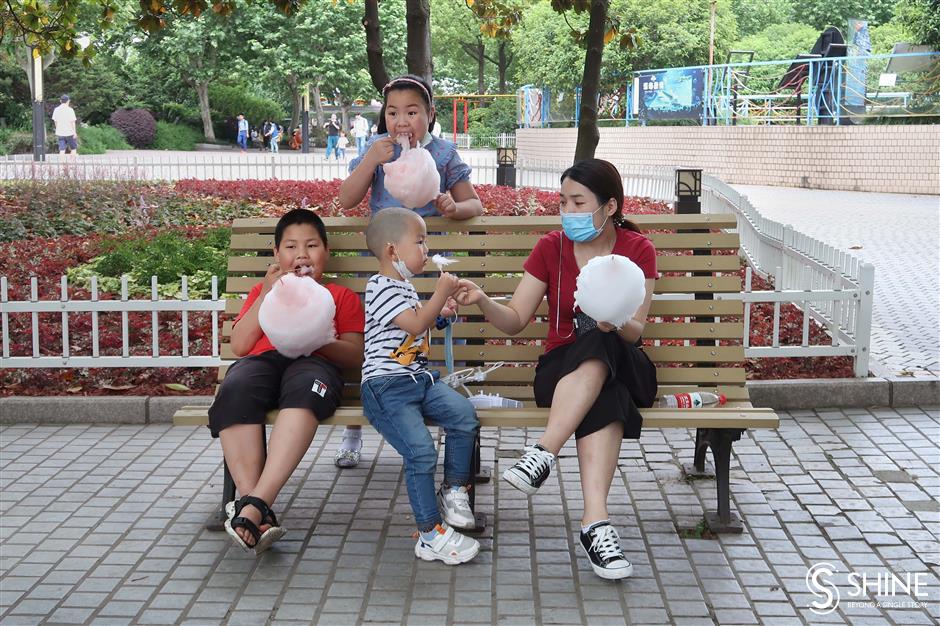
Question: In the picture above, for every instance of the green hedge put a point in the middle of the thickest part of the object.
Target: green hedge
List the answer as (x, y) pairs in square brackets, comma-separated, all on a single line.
[(168, 255), (227, 102), (99, 139), (175, 137), (15, 141)]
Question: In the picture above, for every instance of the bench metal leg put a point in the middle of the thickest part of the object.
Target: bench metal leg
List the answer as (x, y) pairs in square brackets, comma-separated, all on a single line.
[(228, 494), (475, 474), (481, 474), (699, 468), (720, 441)]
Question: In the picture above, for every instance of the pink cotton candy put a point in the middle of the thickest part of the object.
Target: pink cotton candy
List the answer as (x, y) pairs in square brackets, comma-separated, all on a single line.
[(297, 316), (412, 178)]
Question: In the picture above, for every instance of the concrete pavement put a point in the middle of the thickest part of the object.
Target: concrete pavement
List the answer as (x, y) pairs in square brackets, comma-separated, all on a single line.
[(898, 234), (103, 525)]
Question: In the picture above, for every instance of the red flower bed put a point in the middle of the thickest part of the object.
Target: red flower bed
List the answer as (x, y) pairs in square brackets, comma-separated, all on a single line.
[(275, 196)]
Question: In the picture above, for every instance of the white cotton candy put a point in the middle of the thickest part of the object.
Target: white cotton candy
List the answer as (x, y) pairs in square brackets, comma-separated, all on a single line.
[(441, 261), (297, 316), (610, 289), (412, 178)]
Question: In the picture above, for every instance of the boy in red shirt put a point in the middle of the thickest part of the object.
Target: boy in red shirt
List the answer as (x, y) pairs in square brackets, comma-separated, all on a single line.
[(306, 389)]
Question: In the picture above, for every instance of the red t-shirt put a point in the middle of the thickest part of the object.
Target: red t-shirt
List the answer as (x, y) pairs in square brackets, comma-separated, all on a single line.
[(349, 317), (543, 264)]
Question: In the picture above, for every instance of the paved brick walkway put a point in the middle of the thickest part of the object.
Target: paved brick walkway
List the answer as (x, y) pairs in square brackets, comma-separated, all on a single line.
[(898, 234), (103, 525)]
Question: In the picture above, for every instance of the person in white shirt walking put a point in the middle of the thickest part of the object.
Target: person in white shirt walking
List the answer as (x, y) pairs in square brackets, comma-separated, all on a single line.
[(64, 118), (360, 132)]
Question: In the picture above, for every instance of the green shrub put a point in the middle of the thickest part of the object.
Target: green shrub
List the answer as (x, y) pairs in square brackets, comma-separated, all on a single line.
[(15, 141), (496, 118), (227, 102), (98, 139), (168, 256), (175, 137)]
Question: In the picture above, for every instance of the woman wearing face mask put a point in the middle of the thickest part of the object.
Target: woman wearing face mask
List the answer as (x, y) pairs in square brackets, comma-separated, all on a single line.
[(595, 377)]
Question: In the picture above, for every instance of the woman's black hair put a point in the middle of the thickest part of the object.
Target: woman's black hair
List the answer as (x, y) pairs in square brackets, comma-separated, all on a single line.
[(603, 179), (412, 83), (299, 216)]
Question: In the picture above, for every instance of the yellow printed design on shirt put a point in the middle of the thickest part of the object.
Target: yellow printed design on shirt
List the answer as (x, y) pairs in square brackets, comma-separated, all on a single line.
[(409, 351)]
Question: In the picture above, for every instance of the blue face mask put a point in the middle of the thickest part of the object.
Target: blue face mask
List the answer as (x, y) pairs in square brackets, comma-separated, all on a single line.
[(580, 226)]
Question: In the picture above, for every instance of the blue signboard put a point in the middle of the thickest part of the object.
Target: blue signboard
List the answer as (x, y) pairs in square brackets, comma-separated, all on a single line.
[(673, 94)]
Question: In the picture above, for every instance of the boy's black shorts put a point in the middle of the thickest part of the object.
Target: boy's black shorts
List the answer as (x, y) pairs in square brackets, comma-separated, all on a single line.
[(259, 383)]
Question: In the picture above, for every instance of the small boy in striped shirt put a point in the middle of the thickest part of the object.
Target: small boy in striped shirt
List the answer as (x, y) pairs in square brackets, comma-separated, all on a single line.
[(399, 391)]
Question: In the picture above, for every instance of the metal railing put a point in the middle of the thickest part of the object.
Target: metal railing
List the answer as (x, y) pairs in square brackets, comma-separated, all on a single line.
[(66, 306), (205, 166)]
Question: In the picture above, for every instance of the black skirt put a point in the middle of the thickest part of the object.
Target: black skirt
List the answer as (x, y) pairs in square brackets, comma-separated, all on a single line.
[(630, 385)]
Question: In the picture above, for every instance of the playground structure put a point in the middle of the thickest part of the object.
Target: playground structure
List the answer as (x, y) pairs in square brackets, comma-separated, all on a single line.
[(467, 101)]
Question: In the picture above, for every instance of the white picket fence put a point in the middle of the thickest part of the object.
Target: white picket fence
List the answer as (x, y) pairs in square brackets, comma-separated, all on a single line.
[(66, 306), (827, 285)]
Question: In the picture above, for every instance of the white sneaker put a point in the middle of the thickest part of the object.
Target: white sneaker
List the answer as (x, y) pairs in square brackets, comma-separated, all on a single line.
[(455, 506), (448, 546)]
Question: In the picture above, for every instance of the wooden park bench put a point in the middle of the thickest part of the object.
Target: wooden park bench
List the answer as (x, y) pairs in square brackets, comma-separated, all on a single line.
[(699, 347)]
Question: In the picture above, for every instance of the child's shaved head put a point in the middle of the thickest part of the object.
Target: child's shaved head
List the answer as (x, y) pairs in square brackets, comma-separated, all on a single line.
[(390, 226)]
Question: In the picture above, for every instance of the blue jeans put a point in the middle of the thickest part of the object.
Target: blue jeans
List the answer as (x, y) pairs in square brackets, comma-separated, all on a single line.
[(396, 407), (361, 145), (331, 141), (242, 140)]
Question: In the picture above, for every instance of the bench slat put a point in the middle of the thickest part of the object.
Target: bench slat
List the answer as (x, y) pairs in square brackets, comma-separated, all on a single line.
[(719, 417), (506, 286), (531, 354), (499, 223), (707, 376), (258, 265), (660, 308), (539, 330), (458, 242), (351, 393)]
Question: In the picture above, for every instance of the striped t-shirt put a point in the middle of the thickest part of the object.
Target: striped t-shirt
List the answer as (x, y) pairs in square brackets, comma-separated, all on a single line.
[(385, 299)]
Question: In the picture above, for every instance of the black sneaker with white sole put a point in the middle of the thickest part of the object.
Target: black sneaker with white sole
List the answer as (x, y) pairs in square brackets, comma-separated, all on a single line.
[(529, 472), (601, 543)]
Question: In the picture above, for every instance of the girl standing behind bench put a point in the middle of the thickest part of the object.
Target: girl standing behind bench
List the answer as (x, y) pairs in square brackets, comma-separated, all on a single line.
[(407, 111), (306, 389), (594, 378)]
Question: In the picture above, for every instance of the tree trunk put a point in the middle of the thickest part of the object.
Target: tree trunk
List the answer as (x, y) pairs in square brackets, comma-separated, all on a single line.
[(370, 22), (296, 99), (503, 66), (588, 136), (344, 107), (418, 54), (481, 61), (317, 105), (202, 90)]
